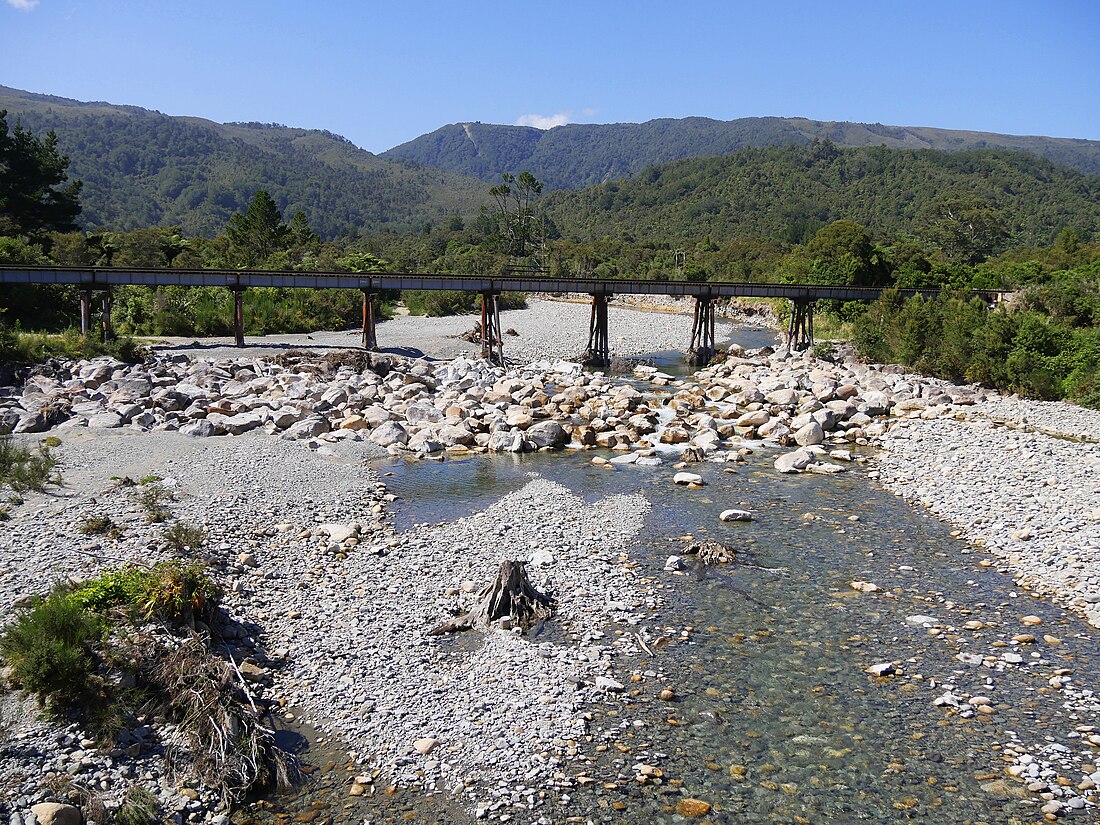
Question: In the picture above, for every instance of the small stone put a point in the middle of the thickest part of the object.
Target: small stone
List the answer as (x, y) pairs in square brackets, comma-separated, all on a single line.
[(687, 478), (1031, 621), (882, 669), (735, 515), (863, 587), (692, 807), (667, 695), (425, 745)]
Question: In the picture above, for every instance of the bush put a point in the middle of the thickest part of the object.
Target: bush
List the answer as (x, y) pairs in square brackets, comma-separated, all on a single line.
[(153, 498), (172, 591), (140, 807), (23, 468), (49, 649), (98, 526), (181, 536)]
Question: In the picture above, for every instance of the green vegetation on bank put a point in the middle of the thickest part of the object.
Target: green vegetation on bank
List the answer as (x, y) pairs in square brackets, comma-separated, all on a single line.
[(978, 219)]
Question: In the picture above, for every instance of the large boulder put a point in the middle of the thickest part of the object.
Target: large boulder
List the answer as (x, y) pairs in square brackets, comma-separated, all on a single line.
[(240, 423), (785, 397), (421, 412), (57, 813), (547, 434), (506, 441), (451, 434), (794, 462), (809, 434), (199, 429), (389, 433), (307, 428)]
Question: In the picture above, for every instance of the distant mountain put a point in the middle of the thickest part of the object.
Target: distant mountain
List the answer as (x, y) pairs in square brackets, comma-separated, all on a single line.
[(143, 168), (788, 192), (578, 155)]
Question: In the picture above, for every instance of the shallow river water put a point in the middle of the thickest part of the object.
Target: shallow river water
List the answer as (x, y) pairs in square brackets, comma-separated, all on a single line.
[(776, 717)]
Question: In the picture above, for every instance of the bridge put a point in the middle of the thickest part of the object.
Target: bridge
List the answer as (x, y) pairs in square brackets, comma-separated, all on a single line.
[(702, 342)]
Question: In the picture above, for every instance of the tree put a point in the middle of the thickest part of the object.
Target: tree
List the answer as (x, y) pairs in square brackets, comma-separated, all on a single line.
[(258, 233), (521, 231), (34, 197), (967, 228)]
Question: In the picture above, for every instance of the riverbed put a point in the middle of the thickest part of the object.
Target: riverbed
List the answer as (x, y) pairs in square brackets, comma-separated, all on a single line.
[(858, 660), (774, 715)]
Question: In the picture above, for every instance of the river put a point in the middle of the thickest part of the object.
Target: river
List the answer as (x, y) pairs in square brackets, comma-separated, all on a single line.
[(775, 717)]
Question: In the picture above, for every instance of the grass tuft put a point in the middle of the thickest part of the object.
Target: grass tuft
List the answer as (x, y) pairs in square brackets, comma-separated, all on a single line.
[(24, 468)]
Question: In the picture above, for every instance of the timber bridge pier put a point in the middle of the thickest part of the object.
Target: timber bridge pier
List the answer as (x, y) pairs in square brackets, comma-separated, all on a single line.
[(800, 330)]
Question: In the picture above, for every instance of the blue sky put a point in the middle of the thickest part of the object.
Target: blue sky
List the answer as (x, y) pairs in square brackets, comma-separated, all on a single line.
[(381, 74)]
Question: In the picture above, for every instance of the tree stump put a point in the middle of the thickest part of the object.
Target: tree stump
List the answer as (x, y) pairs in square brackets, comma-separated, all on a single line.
[(510, 595)]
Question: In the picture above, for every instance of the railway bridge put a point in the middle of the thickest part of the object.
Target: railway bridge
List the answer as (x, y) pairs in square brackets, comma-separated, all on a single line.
[(701, 346)]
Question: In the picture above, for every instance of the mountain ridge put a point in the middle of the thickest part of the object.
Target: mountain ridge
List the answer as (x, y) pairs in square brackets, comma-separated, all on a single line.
[(144, 168), (620, 150)]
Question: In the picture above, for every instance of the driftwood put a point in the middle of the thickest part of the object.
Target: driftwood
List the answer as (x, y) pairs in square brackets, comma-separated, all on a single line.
[(510, 595), (711, 552), (714, 552)]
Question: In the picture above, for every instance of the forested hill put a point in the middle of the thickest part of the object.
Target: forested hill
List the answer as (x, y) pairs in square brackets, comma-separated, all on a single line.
[(142, 168), (789, 192), (578, 155)]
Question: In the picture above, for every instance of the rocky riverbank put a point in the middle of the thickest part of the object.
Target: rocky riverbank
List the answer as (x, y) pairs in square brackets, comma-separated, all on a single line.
[(266, 454)]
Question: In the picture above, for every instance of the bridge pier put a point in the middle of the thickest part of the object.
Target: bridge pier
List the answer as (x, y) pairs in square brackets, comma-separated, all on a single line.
[(492, 345), (800, 331), (86, 311), (108, 329), (238, 314), (598, 353), (702, 347), (370, 337)]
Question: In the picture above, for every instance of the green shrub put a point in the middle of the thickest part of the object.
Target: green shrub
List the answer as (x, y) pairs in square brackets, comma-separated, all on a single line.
[(98, 526), (153, 498), (122, 587), (23, 468), (49, 649), (181, 536), (172, 591), (140, 807)]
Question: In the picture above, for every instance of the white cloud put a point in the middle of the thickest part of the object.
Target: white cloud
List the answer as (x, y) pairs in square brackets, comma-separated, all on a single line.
[(550, 121), (545, 121), (23, 5)]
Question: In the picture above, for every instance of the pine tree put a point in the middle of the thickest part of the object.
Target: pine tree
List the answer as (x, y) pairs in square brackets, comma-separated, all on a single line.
[(33, 196), (258, 233)]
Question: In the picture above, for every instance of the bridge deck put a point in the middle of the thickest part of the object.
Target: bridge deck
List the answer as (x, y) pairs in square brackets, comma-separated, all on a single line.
[(101, 278)]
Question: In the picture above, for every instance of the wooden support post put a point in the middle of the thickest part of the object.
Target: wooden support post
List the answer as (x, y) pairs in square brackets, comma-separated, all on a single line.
[(800, 331), (492, 345), (370, 337), (86, 311), (108, 329), (702, 347), (598, 353), (238, 315)]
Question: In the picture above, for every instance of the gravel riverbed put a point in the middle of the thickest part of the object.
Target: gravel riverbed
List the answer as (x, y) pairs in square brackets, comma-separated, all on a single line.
[(341, 603)]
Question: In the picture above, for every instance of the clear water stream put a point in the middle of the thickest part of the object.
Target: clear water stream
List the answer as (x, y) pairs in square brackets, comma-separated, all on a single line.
[(776, 718)]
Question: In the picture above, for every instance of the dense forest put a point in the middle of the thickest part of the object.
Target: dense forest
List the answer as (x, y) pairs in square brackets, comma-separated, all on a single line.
[(787, 193), (583, 154), (141, 168)]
